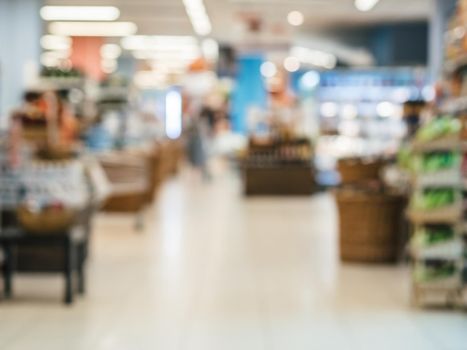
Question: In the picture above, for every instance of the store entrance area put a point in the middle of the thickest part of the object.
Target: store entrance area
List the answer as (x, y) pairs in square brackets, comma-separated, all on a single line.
[(213, 270)]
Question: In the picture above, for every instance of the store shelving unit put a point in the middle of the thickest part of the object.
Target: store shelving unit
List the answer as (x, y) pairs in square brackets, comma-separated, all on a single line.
[(280, 167), (445, 248), (436, 245)]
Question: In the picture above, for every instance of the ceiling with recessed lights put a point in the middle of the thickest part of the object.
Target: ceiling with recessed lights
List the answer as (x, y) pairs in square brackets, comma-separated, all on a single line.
[(276, 27), (236, 20)]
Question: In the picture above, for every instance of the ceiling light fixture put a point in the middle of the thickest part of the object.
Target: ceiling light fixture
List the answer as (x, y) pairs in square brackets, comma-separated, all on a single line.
[(106, 29), (210, 49), (292, 64), (158, 42), (386, 109), (199, 18), (111, 51), (329, 109), (365, 5), (149, 79), (310, 80), (109, 66), (315, 58), (53, 58), (173, 114), (295, 18), (55, 42), (79, 13), (268, 69)]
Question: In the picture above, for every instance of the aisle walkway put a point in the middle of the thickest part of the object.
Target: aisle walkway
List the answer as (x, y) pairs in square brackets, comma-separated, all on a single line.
[(217, 272)]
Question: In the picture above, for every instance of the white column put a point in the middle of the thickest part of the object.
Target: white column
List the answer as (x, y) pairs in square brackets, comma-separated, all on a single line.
[(20, 32)]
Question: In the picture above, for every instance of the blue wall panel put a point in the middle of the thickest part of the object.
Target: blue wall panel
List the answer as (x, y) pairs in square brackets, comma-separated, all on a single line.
[(249, 90)]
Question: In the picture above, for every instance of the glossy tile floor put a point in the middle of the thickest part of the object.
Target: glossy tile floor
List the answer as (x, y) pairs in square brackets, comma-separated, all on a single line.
[(214, 271)]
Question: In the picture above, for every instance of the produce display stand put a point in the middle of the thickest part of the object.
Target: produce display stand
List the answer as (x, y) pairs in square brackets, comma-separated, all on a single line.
[(279, 168), (47, 201), (371, 224), (62, 252), (130, 179), (134, 168), (444, 253), (279, 180), (440, 234), (135, 175)]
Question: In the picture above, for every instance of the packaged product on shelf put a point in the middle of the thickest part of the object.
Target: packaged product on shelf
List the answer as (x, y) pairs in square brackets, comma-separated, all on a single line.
[(437, 128), (436, 241), (433, 198), (433, 234), (438, 160), (437, 271)]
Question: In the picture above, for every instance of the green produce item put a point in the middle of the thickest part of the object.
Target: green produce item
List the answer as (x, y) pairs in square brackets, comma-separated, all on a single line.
[(431, 235), (405, 158), (433, 198), (436, 161), (432, 271), (439, 127)]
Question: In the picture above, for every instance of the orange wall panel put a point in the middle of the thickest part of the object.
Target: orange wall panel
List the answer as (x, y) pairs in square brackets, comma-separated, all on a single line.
[(86, 56)]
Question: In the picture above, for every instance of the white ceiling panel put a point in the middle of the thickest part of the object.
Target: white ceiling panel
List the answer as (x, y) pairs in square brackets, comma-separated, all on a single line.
[(230, 18)]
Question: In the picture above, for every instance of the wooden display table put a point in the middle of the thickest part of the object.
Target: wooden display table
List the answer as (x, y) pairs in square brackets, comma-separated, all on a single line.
[(279, 167), (64, 252), (279, 180)]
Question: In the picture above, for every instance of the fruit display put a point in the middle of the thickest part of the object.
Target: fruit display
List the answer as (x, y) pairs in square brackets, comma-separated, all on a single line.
[(45, 218), (439, 163), (46, 182), (435, 245), (438, 128), (436, 161), (435, 271), (280, 152), (433, 198), (430, 235)]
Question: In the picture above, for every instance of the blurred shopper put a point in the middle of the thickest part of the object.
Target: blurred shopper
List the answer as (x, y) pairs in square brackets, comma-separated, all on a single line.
[(197, 139)]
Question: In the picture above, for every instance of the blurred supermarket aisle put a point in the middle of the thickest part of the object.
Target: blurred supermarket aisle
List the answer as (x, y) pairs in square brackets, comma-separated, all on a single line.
[(217, 271)]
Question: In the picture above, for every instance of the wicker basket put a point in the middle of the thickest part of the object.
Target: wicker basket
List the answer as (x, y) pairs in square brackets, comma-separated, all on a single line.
[(47, 222), (370, 225), (155, 180), (126, 203), (35, 135), (355, 170), (128, 175), (56, 152)]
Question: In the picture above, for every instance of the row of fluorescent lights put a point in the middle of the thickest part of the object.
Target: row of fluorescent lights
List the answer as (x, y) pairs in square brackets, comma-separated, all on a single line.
[(365, 5), (104, 17), (296, 18), (87, 21), (169, 52), (299, 56), (198, 16), (67, 21)]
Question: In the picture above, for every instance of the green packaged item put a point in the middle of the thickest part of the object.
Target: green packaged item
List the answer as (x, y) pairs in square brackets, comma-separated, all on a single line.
[(430, 271), (436, 161), (439, 127), (432, 234), (433, 198)]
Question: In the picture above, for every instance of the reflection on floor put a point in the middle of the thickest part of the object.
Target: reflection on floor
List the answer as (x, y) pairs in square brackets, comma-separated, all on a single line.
[(214, 271)]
